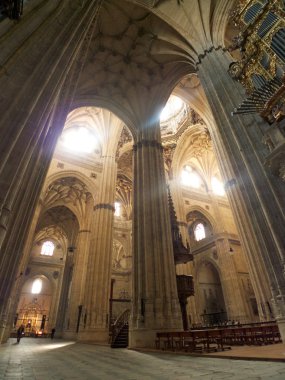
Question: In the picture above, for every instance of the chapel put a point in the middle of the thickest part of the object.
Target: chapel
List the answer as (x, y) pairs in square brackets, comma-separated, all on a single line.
[(142, 167)]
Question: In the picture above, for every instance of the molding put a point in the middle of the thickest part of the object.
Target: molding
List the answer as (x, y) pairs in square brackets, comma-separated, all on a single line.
[(182, 224), (207, 51), (211, 241), (105, 206), (85, 162)]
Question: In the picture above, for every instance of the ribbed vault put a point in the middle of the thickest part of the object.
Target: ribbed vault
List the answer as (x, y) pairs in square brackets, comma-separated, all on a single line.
[(134, 61)]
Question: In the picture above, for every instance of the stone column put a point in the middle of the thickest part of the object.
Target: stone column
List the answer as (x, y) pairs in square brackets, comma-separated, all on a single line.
[(62, 320), (256, 197), (76, 300), (98, 276), (155, 300)]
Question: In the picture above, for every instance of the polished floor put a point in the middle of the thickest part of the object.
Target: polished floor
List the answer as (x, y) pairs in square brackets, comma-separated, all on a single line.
[(45, 359)]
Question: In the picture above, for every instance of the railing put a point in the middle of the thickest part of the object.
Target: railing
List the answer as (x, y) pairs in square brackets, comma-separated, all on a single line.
[(118, 325)]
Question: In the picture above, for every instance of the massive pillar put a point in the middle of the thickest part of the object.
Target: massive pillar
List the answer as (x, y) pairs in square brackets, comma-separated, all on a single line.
[(257, 197), (155, 301), (95, 304), (75, 313), (98, 276), (32, 63)]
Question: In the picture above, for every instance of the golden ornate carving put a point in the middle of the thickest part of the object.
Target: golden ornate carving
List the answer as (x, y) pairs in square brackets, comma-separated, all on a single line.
[(260, 68)]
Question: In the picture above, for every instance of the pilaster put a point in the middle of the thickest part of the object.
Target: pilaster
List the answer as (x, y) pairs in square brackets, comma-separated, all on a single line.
[(98, 274)]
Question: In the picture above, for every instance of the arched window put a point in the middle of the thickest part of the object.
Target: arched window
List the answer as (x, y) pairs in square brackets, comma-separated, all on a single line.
[(190, 177), (172, 108), (79, 139), (117, 209), (199, 232), (217, 186), (37, 286), (47, 248)]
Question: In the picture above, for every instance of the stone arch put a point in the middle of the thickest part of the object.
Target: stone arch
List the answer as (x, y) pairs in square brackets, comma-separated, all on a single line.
[(202, 215), (69, 192), (55, 234), (186, 143), (63, 216), (211, 300), (91, 185), (33, 309), (190, 91), (110, 105)]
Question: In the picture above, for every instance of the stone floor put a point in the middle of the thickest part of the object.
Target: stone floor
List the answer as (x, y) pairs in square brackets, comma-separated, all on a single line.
[(44, 359), (272, 352)]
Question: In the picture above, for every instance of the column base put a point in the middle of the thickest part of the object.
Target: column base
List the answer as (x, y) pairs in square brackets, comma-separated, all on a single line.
[(281, 326), (5, 330), (144, 338), (4, 335)]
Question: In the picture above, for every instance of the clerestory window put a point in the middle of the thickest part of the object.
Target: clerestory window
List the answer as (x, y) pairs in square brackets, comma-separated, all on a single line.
[(190, 177), (47, 248), (199, 232), (217, 186)]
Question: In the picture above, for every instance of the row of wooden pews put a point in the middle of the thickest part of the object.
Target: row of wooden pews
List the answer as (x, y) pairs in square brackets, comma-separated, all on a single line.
[(218, 339)]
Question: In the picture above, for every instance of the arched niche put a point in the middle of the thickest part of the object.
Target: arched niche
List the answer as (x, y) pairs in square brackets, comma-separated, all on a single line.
[(68, 192), (212, 309), (34, 305), (60, 225), (54, 235), (196, 219), (91, 187)]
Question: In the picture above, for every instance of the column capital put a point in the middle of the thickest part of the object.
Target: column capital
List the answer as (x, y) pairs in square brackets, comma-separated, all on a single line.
[(207, 51), (106, 206)]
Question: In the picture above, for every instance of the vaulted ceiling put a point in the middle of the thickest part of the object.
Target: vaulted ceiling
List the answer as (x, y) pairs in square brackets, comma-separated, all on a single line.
[(141, 49)]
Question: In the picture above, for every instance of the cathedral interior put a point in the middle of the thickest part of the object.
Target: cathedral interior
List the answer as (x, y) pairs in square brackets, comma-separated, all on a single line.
[(142, 166)]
